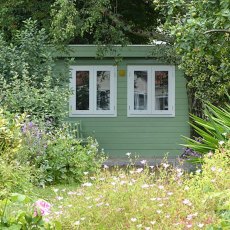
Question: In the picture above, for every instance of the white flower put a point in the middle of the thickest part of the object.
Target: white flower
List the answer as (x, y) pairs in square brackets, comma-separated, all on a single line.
[(133, 219), (187, 202), (106, 166), (213, 168), (145, 186), (139, 225), (221, 142), (77, 222), (55, 190), (189, 217), (143, 162), (86, 173), (123, 182), (200, 225), (128, 154), (161, 187), (139, 170), (165, 165), (88, 184), (186, 188), (152, 222)]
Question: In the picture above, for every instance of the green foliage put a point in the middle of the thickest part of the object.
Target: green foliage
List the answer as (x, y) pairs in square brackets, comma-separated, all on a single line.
[(14, 177), (22, 220), (65, 21), (202, 33), (213, 184), (214, 130), (28, 82), (10, 135), (66, 160), (13, 13), (57, 156), (85, 22)]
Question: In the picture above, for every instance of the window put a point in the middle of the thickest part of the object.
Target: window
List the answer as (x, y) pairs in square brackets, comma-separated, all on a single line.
[(151, 91), (94, 91)]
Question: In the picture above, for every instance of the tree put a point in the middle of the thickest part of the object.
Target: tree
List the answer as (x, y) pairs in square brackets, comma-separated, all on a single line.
[(201, 32), (85, 22)]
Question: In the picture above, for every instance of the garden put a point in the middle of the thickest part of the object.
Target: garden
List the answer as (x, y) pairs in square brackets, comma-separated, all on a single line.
[(50, 179)]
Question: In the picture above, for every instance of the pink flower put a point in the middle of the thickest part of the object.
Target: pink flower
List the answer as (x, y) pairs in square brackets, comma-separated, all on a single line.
[(42, 208)]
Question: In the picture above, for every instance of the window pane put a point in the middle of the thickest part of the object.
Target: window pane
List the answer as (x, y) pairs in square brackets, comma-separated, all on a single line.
[(140, 90), (82, 90), (103, 90), (161, 90)]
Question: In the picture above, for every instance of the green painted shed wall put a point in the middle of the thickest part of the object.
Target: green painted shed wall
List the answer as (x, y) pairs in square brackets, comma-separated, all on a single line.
[(145, 136)]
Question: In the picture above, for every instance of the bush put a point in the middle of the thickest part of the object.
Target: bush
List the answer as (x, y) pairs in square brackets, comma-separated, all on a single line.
[(57, 156), (28, 82), (13, 176), (10, 135), (213, 131)]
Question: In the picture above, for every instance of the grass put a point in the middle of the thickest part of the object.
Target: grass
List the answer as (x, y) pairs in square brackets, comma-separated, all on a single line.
[(140, 198)]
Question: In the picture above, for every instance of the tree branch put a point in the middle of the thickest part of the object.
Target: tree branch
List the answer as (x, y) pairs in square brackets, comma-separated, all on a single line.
[(217, 31)]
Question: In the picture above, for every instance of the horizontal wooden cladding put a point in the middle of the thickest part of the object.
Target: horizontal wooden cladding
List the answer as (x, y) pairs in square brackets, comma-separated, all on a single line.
[(125, 129), (107, 124), (149, 141), (136, 146), (136, 136)]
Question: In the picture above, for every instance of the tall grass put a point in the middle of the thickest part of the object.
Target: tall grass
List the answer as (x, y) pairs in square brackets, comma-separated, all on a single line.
[(140, 198)]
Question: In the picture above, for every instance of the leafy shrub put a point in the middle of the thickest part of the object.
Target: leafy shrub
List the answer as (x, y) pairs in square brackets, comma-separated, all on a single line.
[(28, 82), (66, 160), (14, 177), (57, 156), (212, 184), (10, 135), (213, 131)]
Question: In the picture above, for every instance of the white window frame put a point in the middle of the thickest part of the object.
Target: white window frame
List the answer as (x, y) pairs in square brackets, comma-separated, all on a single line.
[(93, 112), (151, 111)]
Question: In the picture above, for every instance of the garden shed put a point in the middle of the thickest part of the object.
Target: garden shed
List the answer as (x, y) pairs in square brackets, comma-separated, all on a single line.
[(129, 99)]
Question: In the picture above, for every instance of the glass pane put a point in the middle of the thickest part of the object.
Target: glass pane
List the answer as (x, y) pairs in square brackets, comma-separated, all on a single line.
[(161, 90), (82, 90), (103, 90), (140, 90)]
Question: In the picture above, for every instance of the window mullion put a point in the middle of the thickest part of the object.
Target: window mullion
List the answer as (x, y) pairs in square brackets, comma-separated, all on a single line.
[(92, 91)]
